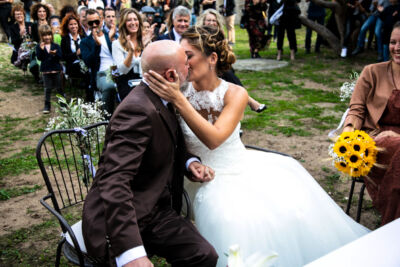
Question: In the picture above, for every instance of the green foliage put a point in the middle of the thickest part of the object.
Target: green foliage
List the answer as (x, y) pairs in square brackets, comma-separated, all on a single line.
[(6, 193)]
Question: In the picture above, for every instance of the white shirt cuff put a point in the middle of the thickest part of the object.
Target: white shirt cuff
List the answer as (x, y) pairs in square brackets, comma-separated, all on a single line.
[(130, 255), (190, 162)]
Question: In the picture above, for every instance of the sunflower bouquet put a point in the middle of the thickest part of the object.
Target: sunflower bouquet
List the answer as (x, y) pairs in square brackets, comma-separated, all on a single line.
[(354, 153)]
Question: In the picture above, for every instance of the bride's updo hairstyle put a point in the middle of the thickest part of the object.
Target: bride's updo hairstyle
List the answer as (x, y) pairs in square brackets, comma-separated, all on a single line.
[(209, 40)]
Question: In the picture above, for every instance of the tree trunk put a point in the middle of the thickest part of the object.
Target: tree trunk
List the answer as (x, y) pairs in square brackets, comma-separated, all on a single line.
[(332, 40), (339, 8)]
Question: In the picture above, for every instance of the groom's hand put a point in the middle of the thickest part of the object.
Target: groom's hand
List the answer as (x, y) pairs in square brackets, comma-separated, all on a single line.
[(200, 172), (140, 262)]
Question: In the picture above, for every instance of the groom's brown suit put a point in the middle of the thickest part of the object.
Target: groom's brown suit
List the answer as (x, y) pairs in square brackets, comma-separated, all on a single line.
[(137, 192)]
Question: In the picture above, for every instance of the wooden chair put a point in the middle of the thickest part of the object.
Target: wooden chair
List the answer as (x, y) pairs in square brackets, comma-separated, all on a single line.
[(360, 197), (67, 160)]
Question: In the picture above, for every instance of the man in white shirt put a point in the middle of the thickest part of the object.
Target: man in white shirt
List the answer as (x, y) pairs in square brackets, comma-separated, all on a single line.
[(180, 22), (96, 50), (133, 207)]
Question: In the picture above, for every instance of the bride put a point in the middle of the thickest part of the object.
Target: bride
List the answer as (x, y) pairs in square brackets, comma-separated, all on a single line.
[(260, 201)]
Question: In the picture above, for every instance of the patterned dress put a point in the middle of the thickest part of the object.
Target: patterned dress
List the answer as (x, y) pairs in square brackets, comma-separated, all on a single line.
[(256, 25)]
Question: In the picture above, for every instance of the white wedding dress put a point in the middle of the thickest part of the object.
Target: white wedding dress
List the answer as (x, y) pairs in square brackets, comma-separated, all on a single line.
[(261, 201)]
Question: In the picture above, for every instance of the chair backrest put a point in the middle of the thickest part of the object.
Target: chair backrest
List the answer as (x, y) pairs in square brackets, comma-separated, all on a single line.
[(68, 161)]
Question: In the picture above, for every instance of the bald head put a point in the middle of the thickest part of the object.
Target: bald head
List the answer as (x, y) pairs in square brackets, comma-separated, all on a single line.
[(160, 56)]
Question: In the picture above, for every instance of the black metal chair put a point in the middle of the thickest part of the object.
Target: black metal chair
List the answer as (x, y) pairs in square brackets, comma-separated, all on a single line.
[(67, 160), (360, 197)]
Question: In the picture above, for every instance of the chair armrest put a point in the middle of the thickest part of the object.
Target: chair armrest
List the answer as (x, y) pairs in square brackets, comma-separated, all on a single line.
[(266, 150), (65, 226)]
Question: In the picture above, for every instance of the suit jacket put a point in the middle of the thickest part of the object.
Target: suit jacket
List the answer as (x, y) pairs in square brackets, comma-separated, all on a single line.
[(140, 172), (90, 53), (68, 56), (370, 96), (168, 36), (49, 62)]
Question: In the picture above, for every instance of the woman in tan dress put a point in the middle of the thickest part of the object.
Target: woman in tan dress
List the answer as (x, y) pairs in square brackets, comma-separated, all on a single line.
[(375, 108)]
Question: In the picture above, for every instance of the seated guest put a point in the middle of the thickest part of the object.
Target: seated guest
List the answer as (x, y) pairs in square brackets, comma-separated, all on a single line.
[(82, 20), (375, 108), (127, 50), (110, 23), (72, 34), (55, 27), (97, 54), (180, 23), (19, 31)]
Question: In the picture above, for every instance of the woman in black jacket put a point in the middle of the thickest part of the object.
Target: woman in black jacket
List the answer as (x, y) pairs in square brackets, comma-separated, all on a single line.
[(19, 31), (72, 34)]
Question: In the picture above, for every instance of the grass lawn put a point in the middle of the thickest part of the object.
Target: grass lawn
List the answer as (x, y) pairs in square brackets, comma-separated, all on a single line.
[(302, 99)]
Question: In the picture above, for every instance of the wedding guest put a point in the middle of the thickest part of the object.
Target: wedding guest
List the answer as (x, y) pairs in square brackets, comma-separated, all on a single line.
[(289, 22), (389, 17), (228, 11), (355, 14), (19, 30), (213, 19), (72, 35), (40, 14), (82, 19), (5, 14), (256, 25), (65, 10), (96, 52), (27, 8), (372, 21), (93, 4), (375, 108), (206, 4), (127, 50), (315, 13), (110, 23), (55, 27), (50, 55), (180, 23)]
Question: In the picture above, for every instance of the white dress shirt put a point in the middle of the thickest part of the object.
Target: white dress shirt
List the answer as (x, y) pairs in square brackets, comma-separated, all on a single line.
[(177, 36)]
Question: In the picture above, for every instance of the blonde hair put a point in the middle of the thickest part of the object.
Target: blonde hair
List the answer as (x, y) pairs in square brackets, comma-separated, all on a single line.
[(201, 19), (123, 32)]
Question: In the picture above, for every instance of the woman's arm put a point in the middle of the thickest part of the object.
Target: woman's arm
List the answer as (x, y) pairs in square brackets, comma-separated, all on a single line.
[(358, 108), (212, 135), (119, 59)]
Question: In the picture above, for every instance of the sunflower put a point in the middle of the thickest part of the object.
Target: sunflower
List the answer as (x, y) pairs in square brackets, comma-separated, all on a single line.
[(354, 159), (356, 172), (358, 146), (341, 148), (346, 136), (342, 166)]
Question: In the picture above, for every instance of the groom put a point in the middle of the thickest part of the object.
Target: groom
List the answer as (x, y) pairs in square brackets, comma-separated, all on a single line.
[(133, 206)]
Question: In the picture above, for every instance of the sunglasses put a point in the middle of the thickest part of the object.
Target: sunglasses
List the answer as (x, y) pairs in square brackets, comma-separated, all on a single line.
[(90, 23)]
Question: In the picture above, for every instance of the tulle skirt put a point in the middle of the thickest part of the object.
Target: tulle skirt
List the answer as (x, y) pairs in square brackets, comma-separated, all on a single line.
[(266, 203)]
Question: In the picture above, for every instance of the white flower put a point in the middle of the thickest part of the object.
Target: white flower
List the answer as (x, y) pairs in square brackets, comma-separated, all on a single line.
[(255, 260), (347, 88)]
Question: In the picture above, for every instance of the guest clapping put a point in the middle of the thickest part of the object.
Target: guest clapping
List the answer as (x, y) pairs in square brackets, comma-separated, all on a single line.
[(50, 55), (127, 50), (375, 108)]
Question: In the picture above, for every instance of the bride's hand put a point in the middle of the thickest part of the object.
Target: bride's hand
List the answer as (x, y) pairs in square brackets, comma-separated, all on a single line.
[(200, 172), (167, 90)]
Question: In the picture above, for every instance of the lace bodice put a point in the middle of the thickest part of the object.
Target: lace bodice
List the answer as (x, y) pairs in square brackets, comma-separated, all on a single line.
[(223, 158)]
